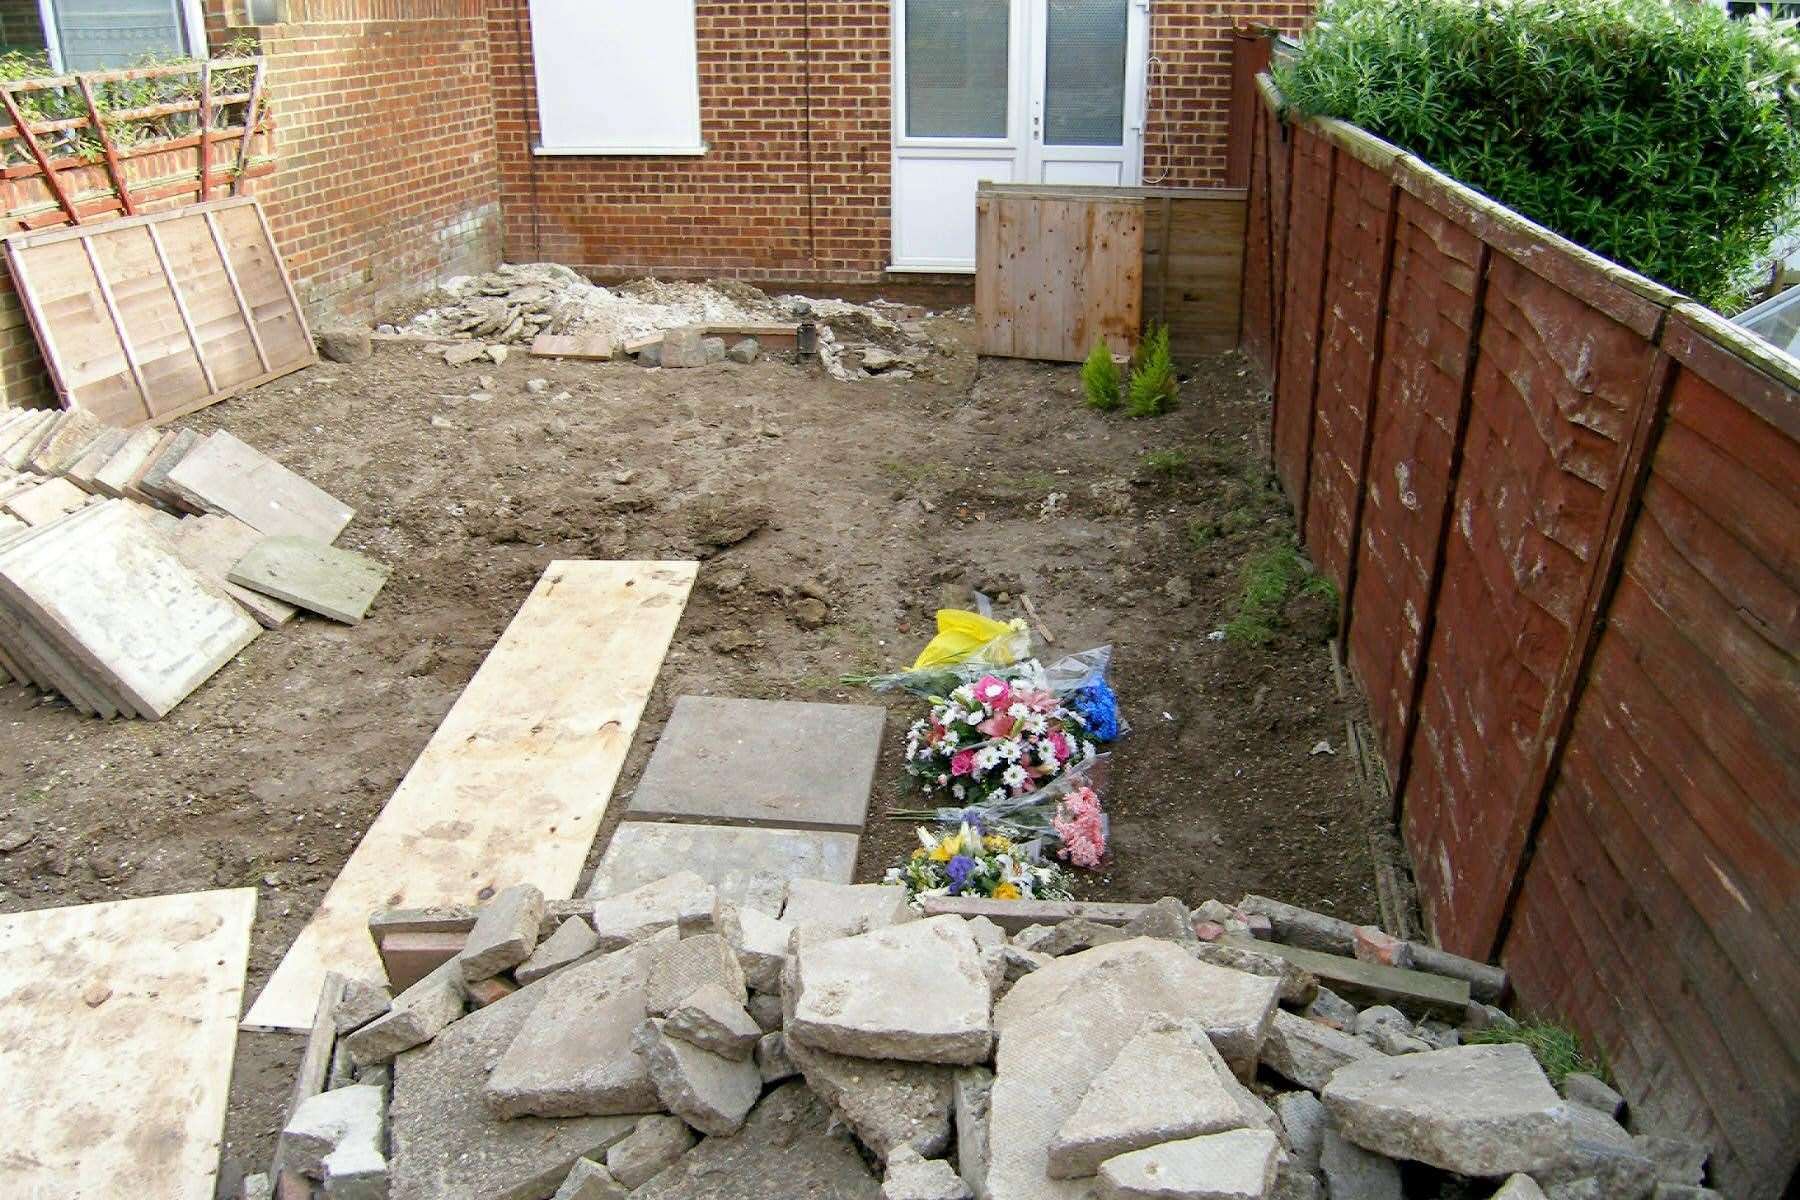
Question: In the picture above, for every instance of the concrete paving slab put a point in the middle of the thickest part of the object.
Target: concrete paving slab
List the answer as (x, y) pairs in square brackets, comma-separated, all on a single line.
[(729, 858), (46, 501), (22, 438), (213, 544), (81, 470), (225, 475), (763, 762), (115, 476), (123, 607), (340, 584), (69, 441), (154, 482)]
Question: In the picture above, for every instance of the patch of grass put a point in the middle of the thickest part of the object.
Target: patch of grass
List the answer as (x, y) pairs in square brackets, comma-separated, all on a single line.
[(1557, 1048), (914, 472), (1201, 533), (1153, 386), (1272, 576), (1167, 463), (1100, 378)]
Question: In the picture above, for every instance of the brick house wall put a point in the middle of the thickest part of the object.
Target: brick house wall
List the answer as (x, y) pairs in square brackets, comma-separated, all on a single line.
[(20, 26), (796, 105)]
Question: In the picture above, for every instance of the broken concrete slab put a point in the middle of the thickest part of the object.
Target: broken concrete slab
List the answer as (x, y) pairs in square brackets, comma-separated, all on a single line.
[(1602, 1151), (725, 761), (683, 901), (772, 1058), (575, 1055), (1352, 1173), (787, 1138), (1583, 1088), (711, 1093), (321, 578), (574, 939), (761, 943), (1309, 1053), (1238, 1165), (46, 501), (340, 1138), (222, 474), (1416, 993), (1168, 919), (714, 1020), (914, 992), (416, 1016), (1072, 937), (505, 933), (733, 860), (211, 546), (1475, 1110), (448, 1146), (829, 910), (360, 1003), (913, 1177), (116, 472), (1300, 927), (655, 1145), (589, 1180), (972, 1096), (678, 969), (1298, 985), (154, 481), (886, 1104), (1303, 1122), (1120, 1113)]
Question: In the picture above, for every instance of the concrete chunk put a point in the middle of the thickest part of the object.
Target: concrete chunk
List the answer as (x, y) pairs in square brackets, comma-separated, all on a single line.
[(1168, 919), (1303, 1120), (589, 1180), (1593, 1092), (913, 1177), (339, 1137), (574, 939), (886, 1104), (361, 1003), (712, 1019), (761, 946), (1475, 1110), (1602, 1151), (575, 1054), (1124, 1111), (1300, 927), (1677, 1160), (1308, 1052), (788, 1138), (415, 1017), (1352, 1173), (772, 1058), (844, 909), (1520, 1187), (1298, 985), (679, 969), (505, 933), (711, 1093), (678, 900), (914, 992), (973, 1091), (1239, 1165), (652, 1147)]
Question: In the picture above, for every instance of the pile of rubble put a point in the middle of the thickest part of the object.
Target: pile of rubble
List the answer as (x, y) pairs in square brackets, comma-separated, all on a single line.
[(829, 1041), (518, 303)]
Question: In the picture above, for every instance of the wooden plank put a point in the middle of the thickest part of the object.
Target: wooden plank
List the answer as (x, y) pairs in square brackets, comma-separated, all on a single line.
[(252, 116), (122, 1017), (315, 1061), (514, 784), (237, 289), (206, 112), (181, 308), (25, 133), (1415, 993), (562, 345), (108, 149)]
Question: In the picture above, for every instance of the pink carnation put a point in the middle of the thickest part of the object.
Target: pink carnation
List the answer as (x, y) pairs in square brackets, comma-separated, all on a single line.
[(962, 762), (1059, 742), (1082, 827), (993, 691)]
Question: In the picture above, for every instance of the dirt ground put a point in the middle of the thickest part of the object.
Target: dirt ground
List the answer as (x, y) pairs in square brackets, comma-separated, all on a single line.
[(880, 499)]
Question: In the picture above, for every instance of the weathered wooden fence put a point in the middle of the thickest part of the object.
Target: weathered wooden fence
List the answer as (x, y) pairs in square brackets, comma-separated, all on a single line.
[(1563, 508)]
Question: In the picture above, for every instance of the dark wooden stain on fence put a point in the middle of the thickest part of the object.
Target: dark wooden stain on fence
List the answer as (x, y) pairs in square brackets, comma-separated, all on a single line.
[(1570, 507)]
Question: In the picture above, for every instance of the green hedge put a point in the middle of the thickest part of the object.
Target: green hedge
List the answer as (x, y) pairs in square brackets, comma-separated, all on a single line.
[(1660, 135)]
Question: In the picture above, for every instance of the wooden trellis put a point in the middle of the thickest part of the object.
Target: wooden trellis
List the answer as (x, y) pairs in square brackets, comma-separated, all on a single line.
[(56, 187)]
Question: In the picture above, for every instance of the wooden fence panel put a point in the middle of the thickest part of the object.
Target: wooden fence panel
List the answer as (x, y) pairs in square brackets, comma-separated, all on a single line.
[(1557, 382), (1433, 298), (1349, 340), (1303, 296), (1257, 310)]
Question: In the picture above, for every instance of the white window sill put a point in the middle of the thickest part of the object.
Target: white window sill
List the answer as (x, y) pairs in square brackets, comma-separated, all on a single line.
[(619, 151)]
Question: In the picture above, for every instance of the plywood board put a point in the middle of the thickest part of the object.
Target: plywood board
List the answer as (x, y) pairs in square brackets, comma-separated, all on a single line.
[(594, 346), (224, 475), (1054, 274), (117, 1024), (146, 318), (514, 784)]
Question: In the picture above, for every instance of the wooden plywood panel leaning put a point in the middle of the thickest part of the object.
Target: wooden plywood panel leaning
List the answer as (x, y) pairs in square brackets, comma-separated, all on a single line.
[(148, 318)]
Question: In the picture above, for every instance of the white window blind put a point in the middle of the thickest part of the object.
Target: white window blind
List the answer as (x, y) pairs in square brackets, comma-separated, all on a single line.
[(616, 77)]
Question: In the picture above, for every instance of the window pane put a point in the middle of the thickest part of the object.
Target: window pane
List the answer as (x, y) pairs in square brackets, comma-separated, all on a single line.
[(1084, 83), (956, 68)]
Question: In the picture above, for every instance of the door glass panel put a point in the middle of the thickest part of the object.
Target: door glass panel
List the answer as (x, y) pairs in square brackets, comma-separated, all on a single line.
[(1084, 73), (96, 34), (956, 68)]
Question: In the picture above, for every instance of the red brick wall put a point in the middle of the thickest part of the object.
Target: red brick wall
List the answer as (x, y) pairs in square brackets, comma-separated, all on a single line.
[(20, 27), (796, 183), (385, 177)]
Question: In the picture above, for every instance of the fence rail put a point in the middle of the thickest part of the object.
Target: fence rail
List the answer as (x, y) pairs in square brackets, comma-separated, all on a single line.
[(1562, 505)]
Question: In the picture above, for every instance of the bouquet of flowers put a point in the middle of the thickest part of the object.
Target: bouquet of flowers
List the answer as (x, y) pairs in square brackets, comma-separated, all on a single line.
[(993, 740), (1065, 813), (966, 862)]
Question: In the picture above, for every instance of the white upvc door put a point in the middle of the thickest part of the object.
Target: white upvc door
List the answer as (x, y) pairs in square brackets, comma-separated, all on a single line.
[(1043, 91)]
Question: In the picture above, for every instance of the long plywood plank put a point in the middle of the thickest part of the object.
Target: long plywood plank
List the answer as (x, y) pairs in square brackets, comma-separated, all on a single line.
[(118, 1024), (513, 785)]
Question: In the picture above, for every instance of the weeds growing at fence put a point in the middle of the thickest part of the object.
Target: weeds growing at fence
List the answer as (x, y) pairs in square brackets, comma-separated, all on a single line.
[(1273, 577), (1557, 1048), (1100, 378), (1663, 136)]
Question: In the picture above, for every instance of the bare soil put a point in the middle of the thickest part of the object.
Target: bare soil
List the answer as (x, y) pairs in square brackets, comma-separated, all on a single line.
[(881, 499)]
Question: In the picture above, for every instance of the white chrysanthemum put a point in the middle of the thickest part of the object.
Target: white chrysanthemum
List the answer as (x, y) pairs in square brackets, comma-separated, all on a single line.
[(1017, 710), (949, 740), (1014, 777), (987, 758), (1087, 750), (959, 791), (1037, 723)]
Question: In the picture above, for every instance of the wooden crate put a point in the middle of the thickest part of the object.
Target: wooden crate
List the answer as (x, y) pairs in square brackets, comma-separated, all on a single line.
[(146, 318), (1189, 270)]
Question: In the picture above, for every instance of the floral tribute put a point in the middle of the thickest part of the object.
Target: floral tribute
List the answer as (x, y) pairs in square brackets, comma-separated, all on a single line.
[(994, 740), (967, 862)]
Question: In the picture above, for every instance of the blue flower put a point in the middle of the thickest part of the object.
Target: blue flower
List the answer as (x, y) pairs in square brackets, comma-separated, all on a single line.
[(972, 817), (959, 869), (1098, 709)]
